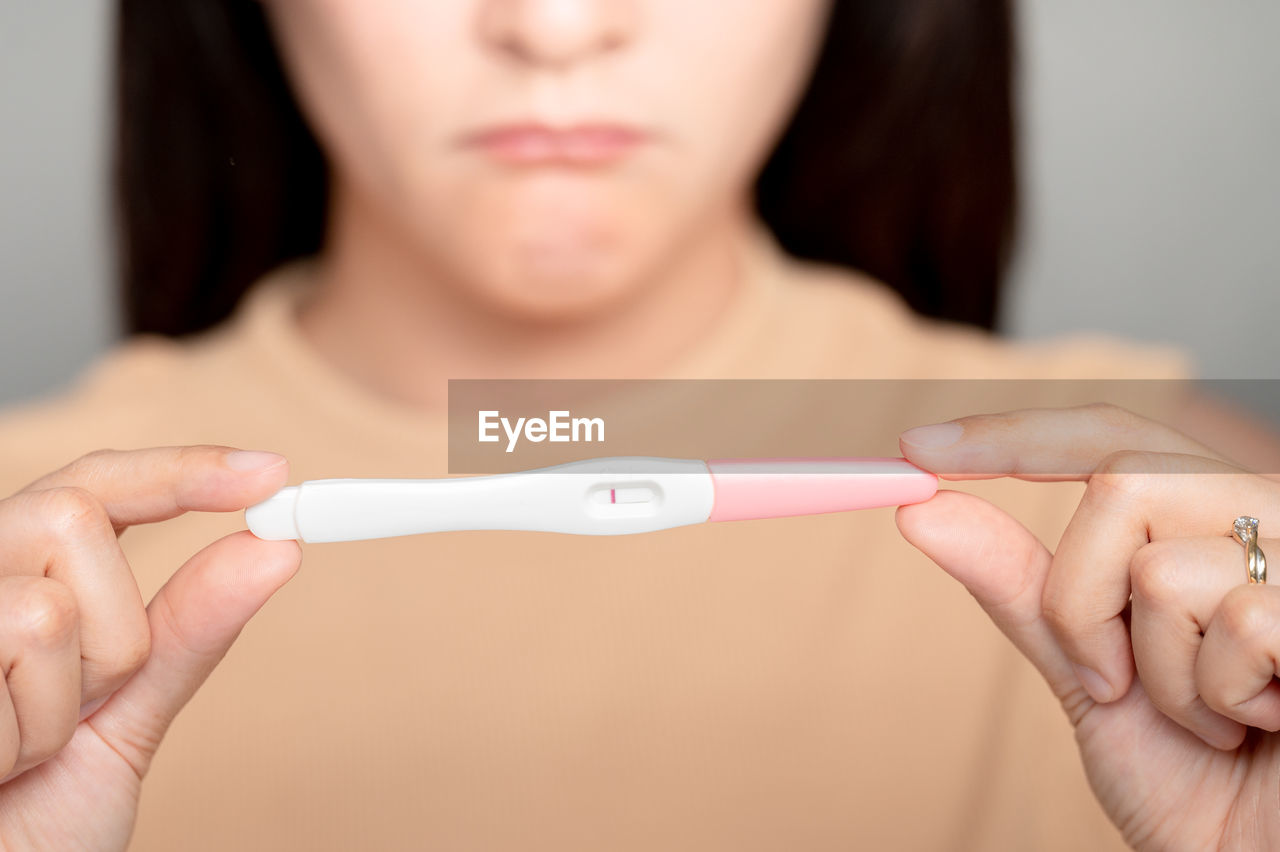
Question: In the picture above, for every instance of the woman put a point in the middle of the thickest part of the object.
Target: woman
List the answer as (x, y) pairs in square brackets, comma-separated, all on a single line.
[(802, 683)]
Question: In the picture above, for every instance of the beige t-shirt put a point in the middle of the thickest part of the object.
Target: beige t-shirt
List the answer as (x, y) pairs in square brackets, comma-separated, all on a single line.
[(808, 683)]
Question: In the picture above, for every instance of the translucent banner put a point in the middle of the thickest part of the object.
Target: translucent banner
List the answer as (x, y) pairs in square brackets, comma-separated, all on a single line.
[(504, 426)]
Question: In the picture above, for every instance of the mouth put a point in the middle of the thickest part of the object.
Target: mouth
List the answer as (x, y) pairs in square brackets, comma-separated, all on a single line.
[(533, 144)]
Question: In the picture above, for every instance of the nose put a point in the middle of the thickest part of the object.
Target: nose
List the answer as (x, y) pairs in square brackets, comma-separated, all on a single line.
[(556, 33)]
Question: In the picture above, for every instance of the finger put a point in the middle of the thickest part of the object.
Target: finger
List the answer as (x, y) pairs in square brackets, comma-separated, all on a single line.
[(1237, 666), (40, 658), (1040, 444), (1004, 567), (194, 619), (10, 736), (66, 535), (1178, 585), (144, 486), (1134, 498)]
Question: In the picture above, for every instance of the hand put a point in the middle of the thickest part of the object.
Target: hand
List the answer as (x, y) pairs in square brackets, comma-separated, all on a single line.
[(1142, 622), (91, 679)]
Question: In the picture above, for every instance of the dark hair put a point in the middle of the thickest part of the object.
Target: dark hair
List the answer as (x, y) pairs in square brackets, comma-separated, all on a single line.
[(899, 160)]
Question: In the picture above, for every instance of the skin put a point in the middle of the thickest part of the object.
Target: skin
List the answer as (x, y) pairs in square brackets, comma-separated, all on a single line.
[(91, 678), (441, 262), (1173, 698)]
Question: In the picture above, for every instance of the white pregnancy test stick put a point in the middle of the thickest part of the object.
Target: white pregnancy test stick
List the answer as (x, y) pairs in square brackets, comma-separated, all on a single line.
[(608, 496)]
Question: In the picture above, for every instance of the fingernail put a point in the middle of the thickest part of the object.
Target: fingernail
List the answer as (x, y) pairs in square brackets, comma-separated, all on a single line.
[(249, 460), (1094, 683), (933, 437)]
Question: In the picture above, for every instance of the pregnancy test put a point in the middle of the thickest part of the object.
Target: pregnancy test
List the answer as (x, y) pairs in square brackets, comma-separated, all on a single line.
[(607, 496)]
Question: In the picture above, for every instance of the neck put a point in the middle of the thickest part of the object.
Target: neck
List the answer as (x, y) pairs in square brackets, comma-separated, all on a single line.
[(384, 316)]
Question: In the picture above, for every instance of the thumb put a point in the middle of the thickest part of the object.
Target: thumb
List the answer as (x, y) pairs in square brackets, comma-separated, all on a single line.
[(1004, 567), (194, 620)]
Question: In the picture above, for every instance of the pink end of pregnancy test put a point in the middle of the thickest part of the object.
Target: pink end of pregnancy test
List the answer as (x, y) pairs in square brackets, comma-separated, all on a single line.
[(608, 496), (751, 489)]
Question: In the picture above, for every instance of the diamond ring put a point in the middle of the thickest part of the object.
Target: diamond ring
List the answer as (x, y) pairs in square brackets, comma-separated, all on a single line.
[(1246, 532)]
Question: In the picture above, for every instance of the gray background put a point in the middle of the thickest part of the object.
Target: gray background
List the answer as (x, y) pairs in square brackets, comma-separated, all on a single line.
[(1151, 132)]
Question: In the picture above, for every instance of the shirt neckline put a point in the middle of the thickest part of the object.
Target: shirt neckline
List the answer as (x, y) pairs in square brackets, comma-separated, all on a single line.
[(268, 320)]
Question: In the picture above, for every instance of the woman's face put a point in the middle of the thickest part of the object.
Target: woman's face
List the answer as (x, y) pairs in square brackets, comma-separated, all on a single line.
[(545, 157)]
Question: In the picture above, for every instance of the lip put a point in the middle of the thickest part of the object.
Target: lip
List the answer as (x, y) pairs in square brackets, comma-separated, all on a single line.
[(533, 143)]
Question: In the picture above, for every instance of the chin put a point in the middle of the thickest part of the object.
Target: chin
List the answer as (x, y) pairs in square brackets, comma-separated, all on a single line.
[(569, 257), (551, 285), (555, 300)]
